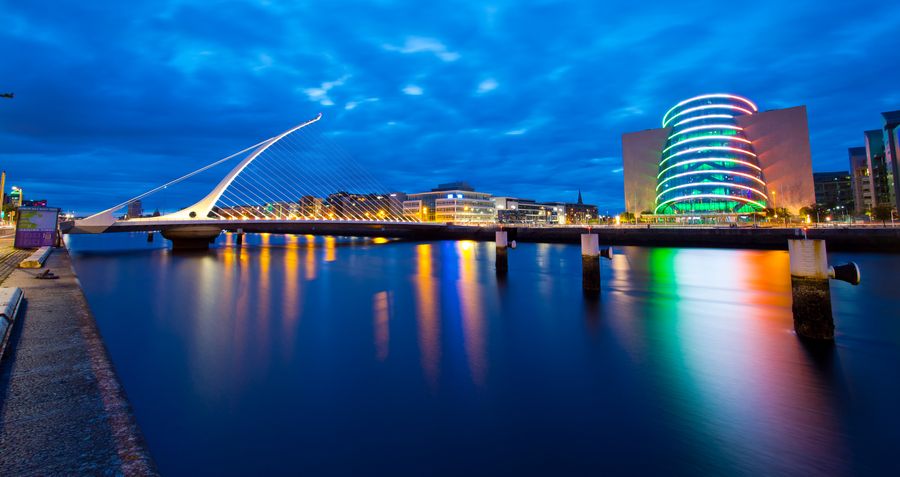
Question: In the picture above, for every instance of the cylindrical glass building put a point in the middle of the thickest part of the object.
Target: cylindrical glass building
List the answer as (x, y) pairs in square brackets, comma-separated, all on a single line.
[(708, 165)]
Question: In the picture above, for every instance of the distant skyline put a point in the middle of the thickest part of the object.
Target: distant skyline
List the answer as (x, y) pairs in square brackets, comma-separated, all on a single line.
[(525, 99)]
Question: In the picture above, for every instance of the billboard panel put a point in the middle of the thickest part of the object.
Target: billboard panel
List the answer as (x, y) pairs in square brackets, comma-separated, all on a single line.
[(36, 227)]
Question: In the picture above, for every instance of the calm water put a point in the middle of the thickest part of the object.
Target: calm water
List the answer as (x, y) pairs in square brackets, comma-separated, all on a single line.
[(332, 356)]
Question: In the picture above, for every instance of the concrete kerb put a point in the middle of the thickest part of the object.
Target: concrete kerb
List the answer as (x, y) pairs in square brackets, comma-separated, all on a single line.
[(10, 301)]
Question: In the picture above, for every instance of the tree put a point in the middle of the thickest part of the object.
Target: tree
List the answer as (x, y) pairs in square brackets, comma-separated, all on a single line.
[(883, 213), (814, 211)]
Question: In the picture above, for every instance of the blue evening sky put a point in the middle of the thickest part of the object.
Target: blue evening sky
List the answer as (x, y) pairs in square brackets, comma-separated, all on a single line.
[(519, 98)]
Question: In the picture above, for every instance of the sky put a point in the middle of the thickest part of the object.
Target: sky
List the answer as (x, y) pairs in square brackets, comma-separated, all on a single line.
[(520, 98)]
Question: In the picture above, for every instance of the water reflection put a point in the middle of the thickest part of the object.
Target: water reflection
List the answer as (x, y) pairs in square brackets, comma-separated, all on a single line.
[(688, 353), (427, 313), (471, 308)]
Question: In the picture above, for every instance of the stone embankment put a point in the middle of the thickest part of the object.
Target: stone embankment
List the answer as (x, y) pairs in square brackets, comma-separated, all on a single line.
[(62, 408)]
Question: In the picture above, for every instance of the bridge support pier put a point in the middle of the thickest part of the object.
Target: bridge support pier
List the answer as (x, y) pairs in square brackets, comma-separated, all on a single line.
[(240, 237), (811, 289), (149, 237), (191, 237), (502, 252), (590, 263)]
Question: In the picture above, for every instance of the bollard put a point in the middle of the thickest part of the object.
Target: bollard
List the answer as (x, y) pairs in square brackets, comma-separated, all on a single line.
[(240, 237), (810, 289), (502, 248), (149, 237), (590, 262)]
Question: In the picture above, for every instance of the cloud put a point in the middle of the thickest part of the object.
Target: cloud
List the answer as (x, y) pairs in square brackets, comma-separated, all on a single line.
[(487, 85), (320, 94), (350, 105), (416, 44), (412, 90)]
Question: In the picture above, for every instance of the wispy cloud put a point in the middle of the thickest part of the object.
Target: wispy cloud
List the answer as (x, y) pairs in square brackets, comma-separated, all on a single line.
[(413, 90), (417, 44), (320, 94), (487, 85)]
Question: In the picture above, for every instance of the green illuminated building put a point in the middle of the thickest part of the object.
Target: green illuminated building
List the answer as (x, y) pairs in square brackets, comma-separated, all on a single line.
[(708, 165)]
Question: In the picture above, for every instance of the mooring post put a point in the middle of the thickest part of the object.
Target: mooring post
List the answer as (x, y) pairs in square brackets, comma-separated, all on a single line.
[(590, 262), (810, 289), (500, 239), (240, 237)]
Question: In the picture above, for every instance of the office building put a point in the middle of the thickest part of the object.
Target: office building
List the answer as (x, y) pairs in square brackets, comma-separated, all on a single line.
[(860, 180), (311, 207), (349, 206), (456, 202), (880, 178), (716, 155), (135, 209), (892, 153), (511, 210), (834, 190)]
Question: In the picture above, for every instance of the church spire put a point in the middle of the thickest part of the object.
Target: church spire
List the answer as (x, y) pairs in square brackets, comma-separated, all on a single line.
[(579, 197)]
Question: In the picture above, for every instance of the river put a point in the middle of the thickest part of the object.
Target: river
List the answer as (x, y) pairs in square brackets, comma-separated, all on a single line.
[(336, 356)]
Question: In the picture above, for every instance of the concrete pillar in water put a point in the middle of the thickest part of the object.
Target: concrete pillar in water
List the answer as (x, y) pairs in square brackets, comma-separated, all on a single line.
[(191, 237), (590, 262), (240, 237), (502, 250), (149, 237), (810, 290)]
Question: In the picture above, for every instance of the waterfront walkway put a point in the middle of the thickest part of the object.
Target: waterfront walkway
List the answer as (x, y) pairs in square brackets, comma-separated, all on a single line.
[(62, 409)]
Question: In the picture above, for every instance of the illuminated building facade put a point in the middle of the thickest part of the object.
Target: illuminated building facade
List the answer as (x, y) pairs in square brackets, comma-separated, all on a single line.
[(834, 190), (454, 202), (511, 210), (881, 179), (717, 155), (708, 164), (860, 180), (892, 152)]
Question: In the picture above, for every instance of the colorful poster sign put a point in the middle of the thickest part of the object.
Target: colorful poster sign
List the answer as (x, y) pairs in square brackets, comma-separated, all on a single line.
[(36, 227)]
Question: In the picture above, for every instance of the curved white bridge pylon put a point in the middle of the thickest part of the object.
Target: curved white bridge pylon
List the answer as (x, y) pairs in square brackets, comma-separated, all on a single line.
[(303, 179), (202, 209)]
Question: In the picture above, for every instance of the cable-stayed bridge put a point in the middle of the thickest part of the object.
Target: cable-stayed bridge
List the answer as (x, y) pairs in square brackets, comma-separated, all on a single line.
[(294, 182)]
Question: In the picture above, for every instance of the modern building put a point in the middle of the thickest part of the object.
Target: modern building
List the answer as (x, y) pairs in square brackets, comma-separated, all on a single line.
[(860, 180), (311, 207), (511, 210), (15, 196), (834, 190), (373, 206), (135, 209), (452, 202), (35, 203), (881, 179), (716, 155), (892, 152)]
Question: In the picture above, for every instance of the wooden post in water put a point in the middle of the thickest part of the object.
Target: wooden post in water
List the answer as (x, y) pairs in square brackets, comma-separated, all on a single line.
[(500, 239), (590, 262)]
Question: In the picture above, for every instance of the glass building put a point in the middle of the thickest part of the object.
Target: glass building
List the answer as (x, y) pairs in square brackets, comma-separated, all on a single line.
[(708, 166)]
